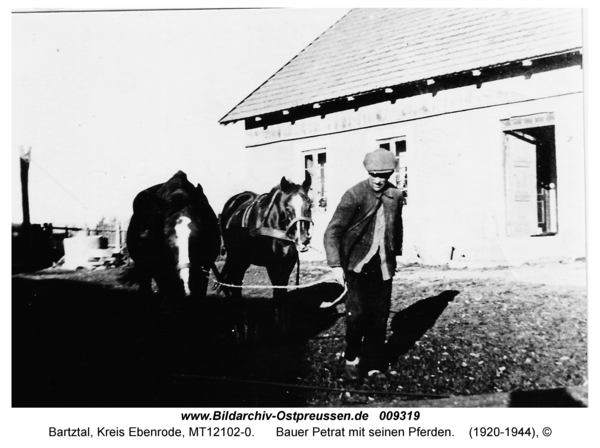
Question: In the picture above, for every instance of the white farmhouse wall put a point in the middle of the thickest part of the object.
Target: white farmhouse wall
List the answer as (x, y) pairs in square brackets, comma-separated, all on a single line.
[(455, 151)]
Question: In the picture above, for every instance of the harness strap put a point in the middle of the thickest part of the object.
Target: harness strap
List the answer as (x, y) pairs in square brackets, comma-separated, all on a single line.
[(268, 212), (370, 214), (297, 268), (271, 232), (246, 215), (295, 220)]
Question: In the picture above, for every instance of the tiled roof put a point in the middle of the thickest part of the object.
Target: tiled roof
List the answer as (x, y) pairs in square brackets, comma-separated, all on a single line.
[(370, 49)]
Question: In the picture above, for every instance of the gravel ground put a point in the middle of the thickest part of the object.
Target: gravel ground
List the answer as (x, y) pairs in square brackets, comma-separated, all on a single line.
[(474, 335)]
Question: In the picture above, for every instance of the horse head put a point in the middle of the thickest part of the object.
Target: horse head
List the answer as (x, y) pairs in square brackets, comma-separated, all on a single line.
[(297, 212), (184, 230)]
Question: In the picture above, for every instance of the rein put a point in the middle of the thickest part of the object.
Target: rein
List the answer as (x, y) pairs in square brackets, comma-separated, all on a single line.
[(288, 287)]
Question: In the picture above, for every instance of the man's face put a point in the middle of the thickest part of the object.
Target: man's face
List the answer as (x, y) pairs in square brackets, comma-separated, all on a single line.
[(377, 181)]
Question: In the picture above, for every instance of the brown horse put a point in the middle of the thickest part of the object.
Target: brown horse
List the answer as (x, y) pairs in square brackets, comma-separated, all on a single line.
[(173, 238), (266, 230)]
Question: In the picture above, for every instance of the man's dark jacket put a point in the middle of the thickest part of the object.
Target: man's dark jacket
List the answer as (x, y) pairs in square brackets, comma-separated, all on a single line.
[(349, 234)]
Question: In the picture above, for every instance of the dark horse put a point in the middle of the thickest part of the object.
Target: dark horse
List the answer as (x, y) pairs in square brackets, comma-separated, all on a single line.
[(267, 230), (173, 238)]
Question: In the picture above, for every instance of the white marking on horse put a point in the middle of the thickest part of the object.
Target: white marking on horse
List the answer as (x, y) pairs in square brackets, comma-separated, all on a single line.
[(182, 241), (297, 203)]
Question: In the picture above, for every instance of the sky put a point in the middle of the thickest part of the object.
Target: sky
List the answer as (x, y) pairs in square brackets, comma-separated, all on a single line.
[(113, 102)]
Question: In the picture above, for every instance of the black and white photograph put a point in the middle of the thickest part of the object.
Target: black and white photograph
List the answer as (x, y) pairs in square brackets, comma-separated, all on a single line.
[(266, 208)]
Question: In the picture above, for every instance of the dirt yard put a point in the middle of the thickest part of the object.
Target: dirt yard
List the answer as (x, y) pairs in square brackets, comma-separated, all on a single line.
[(81, 338), (568, 274)]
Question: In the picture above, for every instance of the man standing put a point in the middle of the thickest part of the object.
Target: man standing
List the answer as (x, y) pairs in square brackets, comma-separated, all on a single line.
[(361, 242)]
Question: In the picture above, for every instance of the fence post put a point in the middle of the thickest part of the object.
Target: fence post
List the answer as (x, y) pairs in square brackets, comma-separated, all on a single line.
[(118, 236), (25, 160)]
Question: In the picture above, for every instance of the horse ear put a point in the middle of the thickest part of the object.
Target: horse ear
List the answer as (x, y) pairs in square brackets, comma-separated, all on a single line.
[(199, 189), (284, 184), (307, 182)]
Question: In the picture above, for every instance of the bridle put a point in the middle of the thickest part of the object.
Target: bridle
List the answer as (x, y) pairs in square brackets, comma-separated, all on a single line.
[(295, 220), (270, 231)]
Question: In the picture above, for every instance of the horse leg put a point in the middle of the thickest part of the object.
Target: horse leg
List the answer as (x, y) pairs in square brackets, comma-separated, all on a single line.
[(279, 276), (145, 285), (233, 273), (199, 282)]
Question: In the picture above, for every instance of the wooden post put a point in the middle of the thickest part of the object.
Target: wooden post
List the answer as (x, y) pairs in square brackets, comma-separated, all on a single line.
[(25, 159)]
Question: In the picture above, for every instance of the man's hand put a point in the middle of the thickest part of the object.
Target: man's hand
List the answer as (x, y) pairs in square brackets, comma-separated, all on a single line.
[(338, 275)]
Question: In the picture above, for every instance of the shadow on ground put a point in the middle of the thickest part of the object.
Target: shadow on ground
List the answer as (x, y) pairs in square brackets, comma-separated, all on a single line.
[(82, 344), (563, 397), (549, 398), (410, 324)]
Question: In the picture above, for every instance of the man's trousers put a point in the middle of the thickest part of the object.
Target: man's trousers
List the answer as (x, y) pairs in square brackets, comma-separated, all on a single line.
[(367, 310)]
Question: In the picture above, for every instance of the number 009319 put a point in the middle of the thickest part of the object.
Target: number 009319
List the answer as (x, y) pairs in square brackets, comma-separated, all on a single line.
[(399, 415)]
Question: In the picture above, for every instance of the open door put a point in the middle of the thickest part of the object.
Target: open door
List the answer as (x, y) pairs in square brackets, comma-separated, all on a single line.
[(521, 184)]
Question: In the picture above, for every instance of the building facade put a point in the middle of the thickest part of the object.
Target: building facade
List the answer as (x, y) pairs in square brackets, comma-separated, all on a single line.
[(489, 137)]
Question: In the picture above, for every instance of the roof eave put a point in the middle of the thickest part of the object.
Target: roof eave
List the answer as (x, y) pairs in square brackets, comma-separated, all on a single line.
[(356, 100)]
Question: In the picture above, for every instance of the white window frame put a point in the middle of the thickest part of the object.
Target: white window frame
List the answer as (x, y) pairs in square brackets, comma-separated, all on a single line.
[(319, 174), (400, 179)]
